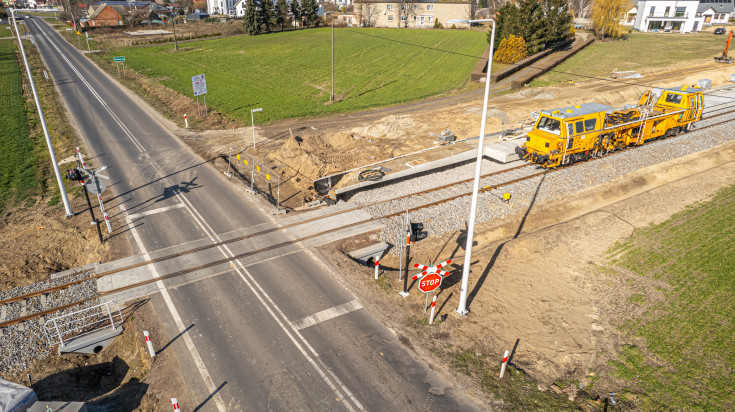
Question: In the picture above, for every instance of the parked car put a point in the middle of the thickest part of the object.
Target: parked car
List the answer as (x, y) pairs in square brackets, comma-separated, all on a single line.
[(720, 30)]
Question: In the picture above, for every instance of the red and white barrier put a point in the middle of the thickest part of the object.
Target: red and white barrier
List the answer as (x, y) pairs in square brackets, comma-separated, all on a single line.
[(426, 272), (175, 404), (149, 343), (505, 362), (377, 266), (433, 307), (432, 269), (186, 121)]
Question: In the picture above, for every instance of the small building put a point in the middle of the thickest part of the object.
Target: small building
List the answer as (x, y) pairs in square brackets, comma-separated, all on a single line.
[(240, 6), (196, 16), (629, 17), (386, 13), (105, 16)]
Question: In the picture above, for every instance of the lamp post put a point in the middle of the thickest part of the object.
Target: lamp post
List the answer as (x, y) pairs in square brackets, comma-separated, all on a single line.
[(331, 98), (462, 308), (52, 154), (252, 121)]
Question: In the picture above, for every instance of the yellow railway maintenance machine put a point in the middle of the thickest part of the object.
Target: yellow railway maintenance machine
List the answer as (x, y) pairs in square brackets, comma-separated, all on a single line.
[(577, 133)]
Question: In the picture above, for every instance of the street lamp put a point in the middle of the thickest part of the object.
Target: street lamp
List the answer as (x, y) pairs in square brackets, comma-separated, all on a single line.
[(252, 121), (52, 154), (462, 308), (331, 98)]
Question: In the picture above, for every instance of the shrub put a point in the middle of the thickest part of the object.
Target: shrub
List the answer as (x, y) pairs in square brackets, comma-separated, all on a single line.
[(436, 23), (453, 26), (511, 50)]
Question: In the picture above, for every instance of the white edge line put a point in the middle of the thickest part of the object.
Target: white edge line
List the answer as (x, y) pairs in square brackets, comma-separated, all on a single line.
[(326, 314), (154, 211)]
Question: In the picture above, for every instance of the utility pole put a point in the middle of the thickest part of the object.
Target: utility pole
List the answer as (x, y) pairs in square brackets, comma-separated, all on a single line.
[(62, 190)]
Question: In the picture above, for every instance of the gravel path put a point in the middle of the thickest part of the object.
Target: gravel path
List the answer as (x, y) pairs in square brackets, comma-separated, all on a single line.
[(23, 342), (451, 216)]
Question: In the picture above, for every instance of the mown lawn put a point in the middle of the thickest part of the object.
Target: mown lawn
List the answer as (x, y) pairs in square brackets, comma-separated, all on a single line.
[(688, 360), (289, 74), (640, 52), (18, 169)]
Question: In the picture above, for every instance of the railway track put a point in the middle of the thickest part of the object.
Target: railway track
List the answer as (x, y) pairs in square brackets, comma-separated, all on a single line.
[(451, 192)]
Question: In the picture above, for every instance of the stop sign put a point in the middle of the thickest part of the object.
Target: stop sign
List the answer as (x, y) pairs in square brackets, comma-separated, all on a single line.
[(430, 282)]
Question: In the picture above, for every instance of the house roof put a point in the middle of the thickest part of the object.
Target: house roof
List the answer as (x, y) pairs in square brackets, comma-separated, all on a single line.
[(423, 1), (717, 7), (578, 110), (98, 10)]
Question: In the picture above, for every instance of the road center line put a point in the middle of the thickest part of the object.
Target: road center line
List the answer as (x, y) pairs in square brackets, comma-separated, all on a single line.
[(208, 382), (99, 98), (299, 341), (154, 211), (326, 314)]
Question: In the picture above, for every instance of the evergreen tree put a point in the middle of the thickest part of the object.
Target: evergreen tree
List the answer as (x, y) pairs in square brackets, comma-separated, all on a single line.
[(308, 10), (281, 12), (251, 25), (265, 14), (541, 23), (296, 11)]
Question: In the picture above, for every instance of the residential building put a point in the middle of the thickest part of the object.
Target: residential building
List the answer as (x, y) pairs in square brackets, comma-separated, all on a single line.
[(681, 16), (629, 17), (221, 7), (716, 11), (104, 15), (668, 16), (386, 13)]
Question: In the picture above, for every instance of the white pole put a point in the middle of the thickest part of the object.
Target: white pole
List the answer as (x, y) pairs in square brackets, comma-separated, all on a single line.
[(175, 404), (505, 362), (186, 121), (433, 307), (462, 308), (104, 213), (64, 199), (149, 343), (252, 123), (377, 265)]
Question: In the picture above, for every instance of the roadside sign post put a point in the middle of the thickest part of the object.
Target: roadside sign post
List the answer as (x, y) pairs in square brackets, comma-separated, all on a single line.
[(86, 35), (96, 186), (433, 306), (199, 84), (118, 60), (430, 280), (405, 291), (86, 196)]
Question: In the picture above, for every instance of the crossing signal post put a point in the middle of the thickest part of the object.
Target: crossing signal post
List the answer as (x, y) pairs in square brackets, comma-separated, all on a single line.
[(76, 175)]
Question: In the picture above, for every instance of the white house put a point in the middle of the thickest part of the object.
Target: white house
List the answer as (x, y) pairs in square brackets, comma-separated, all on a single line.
[(629, 17), (669, 16), (240, 6), (716, 11), (221, 7)]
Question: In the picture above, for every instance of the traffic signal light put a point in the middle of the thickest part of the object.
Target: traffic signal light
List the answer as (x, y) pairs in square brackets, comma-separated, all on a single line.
[(74, 175), (417, 232)]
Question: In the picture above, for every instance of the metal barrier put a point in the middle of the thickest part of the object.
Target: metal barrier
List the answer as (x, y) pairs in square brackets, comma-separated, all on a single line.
[(261, 177), (83, 322)]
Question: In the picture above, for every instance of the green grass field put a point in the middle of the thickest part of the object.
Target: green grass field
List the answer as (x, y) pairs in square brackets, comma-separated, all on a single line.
[(289, 74), (18, 167), (641, 51), (689, 356)]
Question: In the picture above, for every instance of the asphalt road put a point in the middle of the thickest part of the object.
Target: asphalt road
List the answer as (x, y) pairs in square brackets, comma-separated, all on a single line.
[(281, 334)]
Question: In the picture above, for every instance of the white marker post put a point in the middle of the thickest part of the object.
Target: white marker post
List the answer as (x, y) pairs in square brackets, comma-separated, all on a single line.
[(505, 362), (377, 266), (433, 307), (149, 343), (175, 404), (186, 121)]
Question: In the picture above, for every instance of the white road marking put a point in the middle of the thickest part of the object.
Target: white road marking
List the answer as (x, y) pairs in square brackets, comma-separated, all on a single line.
[(326, 315), (117, 120), (293, 334), (154, 211), (208, 382)]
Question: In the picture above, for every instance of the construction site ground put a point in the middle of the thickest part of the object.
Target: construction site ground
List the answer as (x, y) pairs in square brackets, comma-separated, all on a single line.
[(552, 307)]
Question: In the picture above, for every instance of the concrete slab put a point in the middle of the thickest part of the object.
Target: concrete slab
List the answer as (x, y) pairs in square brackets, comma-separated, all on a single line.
[(93, 342), (504, 152), (363, 255), (57, 406)]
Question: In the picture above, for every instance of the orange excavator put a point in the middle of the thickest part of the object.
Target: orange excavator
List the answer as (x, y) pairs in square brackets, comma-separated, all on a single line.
[(724, 58)]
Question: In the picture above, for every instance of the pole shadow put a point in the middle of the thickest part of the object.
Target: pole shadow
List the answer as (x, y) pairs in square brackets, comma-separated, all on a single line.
[(158, 352), (204, 402), (486, 272)]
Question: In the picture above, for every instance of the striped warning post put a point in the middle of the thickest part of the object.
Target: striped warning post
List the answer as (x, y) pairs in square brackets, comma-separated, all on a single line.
[(175, 404), (377, 266), (149, 343), (505, 362), (433, 307)]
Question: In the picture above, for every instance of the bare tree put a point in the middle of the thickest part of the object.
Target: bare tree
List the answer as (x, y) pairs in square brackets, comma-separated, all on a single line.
[(73, 11), (580, 8), (406, 9), (366, 12)]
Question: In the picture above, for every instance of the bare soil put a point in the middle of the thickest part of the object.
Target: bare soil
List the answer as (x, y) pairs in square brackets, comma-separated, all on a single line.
[(540, 283)]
